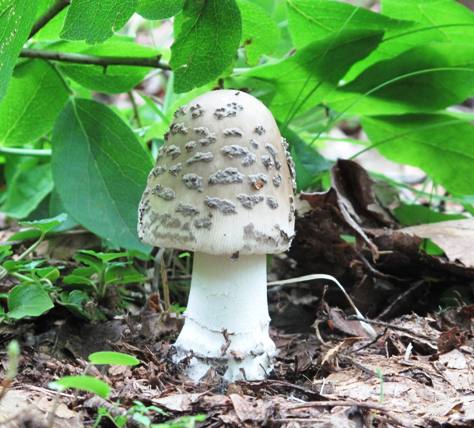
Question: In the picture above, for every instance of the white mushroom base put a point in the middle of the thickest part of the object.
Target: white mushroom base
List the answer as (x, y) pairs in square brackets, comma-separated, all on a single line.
[(226, 321)]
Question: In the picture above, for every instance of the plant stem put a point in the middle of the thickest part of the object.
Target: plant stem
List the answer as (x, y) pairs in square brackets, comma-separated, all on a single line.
[(136, 113), (103, 61), (26, 152), (48, 16), (32, 248)]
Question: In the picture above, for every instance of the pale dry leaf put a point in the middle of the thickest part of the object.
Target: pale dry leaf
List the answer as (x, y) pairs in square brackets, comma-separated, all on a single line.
[(178, 402), (455, 238), (453, 360)]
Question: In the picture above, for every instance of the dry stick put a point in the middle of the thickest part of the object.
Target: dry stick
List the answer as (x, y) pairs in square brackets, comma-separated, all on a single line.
[(103, 61), (48, 16), (393, 327), (350, 403), (364, 323)]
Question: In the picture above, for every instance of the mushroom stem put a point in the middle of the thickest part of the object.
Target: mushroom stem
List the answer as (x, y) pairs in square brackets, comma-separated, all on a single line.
[(227, 318)]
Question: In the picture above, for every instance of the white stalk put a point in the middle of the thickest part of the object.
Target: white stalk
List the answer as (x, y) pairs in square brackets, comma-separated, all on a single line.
[(227, 319)]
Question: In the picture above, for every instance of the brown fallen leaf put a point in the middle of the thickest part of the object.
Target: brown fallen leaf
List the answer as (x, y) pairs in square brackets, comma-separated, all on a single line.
[(455, 238)]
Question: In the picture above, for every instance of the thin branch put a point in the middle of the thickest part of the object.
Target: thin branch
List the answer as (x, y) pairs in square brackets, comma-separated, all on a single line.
[(103, 61), (136, 113), (349, 403), (49, 15)]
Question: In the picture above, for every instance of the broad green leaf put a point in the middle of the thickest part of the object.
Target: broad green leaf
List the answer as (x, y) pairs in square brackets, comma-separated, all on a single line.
[(439, 144), (310, 20), (34, 98), (103, 257), (27, 185), (53, 28), (114, 78), (16, 19), (28, 300), (113, 358), (93, 22), (83, 383), (444, 20), (411, 215), (260, 33), (76, 301), (304, 79), (100, 171), (309, 164), (206, 43), (121, 273), (45, 225), (153, 9), (56, 208), (423, 79)]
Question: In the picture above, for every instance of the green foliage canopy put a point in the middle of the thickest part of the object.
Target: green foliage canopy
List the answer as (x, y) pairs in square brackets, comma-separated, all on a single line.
[(66, 142)]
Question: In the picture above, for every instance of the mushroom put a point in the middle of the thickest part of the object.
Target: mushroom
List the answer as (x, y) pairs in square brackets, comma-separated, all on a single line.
[(231, 202)]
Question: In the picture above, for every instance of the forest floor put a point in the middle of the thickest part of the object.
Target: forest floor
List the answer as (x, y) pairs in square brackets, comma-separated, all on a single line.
[(417, 372)]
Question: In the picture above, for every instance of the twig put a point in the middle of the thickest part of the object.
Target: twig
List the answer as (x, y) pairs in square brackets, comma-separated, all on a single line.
[(103, 61), (48, 16), (392, 326), (367, 328), (136, 113), (374, 340), (350, 403)]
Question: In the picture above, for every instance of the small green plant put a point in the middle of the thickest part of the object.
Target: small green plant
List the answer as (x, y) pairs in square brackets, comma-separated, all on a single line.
[(139, 413), (13, 354), (40, 286), (379, 374), (90, 383), (82, 383)]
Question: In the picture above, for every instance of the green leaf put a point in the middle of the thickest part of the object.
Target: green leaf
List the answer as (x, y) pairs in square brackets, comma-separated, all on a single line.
[(47, 224), (309, 164), (104, 257), (94, 23), (28, 300), (114, 78), (439, 144), (53, 28), (310, 20), (260, 33), (34, 99), (121, 273), (16, 19), (83, 383), (113, 358), (448, 19), (152, 9), (56, 208), (304, 79), (27, 185), (206, 43), (76, 301), (100, 171), (442, 73), (411, 215)]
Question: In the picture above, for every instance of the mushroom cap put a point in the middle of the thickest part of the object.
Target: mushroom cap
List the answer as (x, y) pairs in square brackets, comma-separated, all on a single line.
[(223, 182)]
